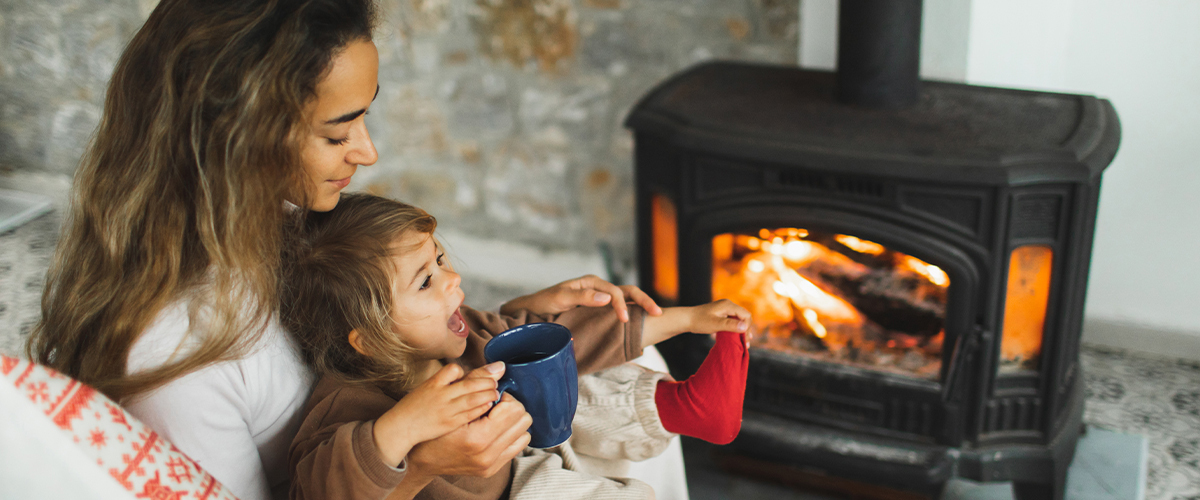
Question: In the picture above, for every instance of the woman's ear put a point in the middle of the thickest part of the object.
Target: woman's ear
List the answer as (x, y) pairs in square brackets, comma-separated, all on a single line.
[(355, 341)]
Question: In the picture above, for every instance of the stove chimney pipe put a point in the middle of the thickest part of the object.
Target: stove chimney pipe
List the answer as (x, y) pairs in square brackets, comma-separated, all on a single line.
[(879, 53)]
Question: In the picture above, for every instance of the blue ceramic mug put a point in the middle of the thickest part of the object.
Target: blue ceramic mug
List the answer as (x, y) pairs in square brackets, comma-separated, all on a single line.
[(540, 372)]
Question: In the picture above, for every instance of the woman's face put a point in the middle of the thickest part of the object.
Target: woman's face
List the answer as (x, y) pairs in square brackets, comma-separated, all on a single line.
[(338, 141)]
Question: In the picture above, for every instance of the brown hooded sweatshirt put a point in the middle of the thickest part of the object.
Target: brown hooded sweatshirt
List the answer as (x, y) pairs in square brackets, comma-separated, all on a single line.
[(334, 456)]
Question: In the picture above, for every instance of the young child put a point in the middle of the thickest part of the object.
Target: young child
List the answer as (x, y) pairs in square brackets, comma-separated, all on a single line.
[(378, 311)]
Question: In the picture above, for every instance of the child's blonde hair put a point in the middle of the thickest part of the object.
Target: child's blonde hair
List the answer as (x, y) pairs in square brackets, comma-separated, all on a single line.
[(338, 277)]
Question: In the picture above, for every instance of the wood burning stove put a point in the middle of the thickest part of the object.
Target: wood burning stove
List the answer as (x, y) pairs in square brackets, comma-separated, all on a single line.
[(917, 273)]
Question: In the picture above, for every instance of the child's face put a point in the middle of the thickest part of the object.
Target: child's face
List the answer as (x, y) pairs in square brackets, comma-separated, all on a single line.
[(426, 298)]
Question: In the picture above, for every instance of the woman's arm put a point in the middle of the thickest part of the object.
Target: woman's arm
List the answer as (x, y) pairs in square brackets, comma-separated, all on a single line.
[(587, 291), (204, 416)]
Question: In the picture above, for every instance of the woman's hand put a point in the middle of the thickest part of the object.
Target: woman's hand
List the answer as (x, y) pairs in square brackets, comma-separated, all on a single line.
[(589, 291), (479, 448), (436, 407)]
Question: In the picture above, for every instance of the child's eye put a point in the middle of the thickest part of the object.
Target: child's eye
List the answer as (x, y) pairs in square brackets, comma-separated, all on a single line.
[(338, 142), (439, 258), (428, 280)]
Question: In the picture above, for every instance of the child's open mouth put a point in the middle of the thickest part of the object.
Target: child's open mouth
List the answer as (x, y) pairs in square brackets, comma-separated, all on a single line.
[(457, 324)]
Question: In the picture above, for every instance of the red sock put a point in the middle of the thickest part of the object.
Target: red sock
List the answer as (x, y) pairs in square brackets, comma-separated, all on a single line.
[(708, 405)]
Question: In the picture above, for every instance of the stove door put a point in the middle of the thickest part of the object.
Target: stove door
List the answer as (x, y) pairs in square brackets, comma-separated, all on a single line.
[(856, 320)]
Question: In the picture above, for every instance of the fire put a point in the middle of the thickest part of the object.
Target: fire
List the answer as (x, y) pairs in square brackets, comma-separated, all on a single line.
[(773, 267), (799, 284), (810, 317), (933, 273), (808, 296), (860, 245)]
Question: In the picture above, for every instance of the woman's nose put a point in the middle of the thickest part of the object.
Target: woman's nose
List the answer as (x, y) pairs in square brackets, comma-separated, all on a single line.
[(364, 152)]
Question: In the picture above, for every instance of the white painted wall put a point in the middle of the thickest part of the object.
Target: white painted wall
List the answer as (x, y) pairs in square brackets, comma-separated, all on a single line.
[(1145, 58)]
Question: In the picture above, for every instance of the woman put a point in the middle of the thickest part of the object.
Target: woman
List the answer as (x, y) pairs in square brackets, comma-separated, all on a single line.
[(163, 287)]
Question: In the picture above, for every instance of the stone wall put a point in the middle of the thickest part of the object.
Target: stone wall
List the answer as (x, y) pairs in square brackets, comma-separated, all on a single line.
[(55, 61), (501, 117)]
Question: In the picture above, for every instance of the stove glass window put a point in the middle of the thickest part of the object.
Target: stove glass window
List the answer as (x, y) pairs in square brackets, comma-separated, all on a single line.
[(665, 242), (836, 297), (1025, 304)]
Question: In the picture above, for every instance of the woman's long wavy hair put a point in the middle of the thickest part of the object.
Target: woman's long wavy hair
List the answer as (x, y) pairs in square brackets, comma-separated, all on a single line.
[(181, 193)]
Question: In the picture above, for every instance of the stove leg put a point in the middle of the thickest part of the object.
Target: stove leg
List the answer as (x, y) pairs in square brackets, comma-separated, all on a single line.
[(1033, 491), (1043, 491)]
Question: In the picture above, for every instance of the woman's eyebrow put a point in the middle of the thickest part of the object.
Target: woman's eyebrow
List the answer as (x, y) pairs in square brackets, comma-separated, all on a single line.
[(353, 114), (346, 117)]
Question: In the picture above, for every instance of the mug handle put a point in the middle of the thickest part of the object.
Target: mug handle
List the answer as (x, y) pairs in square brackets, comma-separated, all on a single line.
[(504, 385)]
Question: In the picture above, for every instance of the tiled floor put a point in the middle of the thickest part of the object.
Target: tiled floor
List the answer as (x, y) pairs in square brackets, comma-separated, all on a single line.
[(1128, 392)]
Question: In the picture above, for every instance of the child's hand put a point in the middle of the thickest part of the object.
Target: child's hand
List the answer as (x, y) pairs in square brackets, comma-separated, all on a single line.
[(438, 406), (719, 316), (713, 317)]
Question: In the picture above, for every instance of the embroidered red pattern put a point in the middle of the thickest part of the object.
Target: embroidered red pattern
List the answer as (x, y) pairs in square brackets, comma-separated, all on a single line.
[(176, 464), (118, 415), (70, 411), (133, 465), (97, 438), (38, 390), (62, 395), (207, 487), (142, 460), (7, 364), (20, 380), (155, 490)]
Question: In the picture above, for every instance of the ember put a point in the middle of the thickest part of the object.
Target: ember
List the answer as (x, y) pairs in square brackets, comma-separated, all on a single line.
[(836, 297)]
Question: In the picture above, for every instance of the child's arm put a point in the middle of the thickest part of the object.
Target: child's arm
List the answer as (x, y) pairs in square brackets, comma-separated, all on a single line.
[(713, 317), (708, 405)]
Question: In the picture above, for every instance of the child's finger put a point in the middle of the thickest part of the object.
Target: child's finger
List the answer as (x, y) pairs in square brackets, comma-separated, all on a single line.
[(728, 308), (731, 324), (447, 375), (452, 393), (491, 371)]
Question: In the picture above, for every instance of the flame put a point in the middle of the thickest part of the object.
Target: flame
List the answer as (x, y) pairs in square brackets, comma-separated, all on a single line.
[(807, 295), (787, 292), (797, 287), (860, 245), (931, 272), (810, 317)]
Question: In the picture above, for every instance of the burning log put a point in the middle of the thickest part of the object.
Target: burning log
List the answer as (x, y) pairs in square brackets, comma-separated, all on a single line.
[(904, 302)]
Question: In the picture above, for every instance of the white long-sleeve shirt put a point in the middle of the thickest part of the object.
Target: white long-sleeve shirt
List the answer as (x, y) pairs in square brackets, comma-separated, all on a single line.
[(235, 418)]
